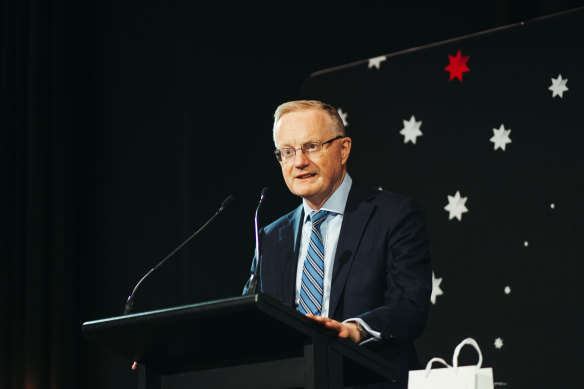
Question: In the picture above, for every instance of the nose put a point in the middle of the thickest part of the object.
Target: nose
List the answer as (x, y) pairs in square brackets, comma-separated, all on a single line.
[(300, 159)]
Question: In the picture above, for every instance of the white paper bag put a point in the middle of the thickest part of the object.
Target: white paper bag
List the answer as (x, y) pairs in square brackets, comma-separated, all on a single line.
[(453, 377)]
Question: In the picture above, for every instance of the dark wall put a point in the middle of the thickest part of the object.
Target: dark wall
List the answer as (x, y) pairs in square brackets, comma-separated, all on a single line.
[(123, 125)]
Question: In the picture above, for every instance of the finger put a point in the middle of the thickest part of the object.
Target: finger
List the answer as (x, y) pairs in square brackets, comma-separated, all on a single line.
[(343, 334), (333, 324), (343, 331), (320, 319)]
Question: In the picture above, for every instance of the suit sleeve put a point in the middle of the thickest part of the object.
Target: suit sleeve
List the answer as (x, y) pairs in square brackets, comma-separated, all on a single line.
[(408, 276)]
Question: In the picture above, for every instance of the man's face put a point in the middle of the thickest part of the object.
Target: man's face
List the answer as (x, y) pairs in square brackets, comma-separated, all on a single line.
[(314, 176)]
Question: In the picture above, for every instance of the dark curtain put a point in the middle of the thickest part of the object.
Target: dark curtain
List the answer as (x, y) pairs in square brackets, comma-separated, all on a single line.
[(39, 186)]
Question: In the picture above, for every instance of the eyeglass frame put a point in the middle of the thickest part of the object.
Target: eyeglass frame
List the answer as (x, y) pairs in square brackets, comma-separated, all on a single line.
[(278, 152)]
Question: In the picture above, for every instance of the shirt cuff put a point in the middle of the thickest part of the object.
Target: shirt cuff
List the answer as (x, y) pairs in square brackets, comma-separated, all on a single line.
[(374, 334)]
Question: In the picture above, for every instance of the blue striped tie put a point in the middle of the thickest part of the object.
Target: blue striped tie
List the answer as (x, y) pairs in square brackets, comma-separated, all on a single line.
[(311, 286)]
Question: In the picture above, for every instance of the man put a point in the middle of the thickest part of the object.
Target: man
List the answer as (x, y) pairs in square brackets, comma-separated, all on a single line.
[(352, 258)]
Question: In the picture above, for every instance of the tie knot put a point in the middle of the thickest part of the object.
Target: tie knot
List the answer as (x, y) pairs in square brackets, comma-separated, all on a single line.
[(318, 217)]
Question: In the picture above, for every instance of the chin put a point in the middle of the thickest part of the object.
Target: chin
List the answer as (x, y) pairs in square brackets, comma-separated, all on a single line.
[(305, 194), (302, 193)]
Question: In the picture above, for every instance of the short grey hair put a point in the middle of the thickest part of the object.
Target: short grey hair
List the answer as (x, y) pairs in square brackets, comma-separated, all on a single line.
[(337, 126)]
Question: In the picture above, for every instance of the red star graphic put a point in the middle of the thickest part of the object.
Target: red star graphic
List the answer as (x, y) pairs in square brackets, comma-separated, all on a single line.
[(457, 66)]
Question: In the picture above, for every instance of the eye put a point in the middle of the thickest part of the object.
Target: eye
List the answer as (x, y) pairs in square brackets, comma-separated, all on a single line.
[(311, 147), (287, 152)]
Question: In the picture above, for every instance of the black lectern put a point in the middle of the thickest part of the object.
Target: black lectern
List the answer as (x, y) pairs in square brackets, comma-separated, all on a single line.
[(242, 342)]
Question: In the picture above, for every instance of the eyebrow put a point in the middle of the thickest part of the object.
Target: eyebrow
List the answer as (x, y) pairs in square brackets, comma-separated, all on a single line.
[(305, 143)]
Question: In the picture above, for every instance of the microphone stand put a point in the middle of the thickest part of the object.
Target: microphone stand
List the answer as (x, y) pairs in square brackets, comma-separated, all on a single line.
[(130, 301), (253, 280)]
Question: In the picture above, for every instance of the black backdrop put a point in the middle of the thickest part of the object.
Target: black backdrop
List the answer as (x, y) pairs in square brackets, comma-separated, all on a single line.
[(509, 268), (123, 125)]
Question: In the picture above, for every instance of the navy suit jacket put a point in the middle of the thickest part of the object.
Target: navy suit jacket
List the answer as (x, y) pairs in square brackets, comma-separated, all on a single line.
[(381, 270)]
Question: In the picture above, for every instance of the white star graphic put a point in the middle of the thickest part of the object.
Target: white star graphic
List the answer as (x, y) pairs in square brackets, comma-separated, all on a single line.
[(436, 291), (376, 62), (411, 130), (558, 86), (498, 343), (507, 289), (500, 137), (456, 206), (343, 116)]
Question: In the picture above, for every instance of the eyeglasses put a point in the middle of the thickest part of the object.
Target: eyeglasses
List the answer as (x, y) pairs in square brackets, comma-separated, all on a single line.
[(288, 153)]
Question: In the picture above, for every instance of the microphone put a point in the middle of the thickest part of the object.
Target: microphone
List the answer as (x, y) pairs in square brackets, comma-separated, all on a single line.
[(253, 280), (224, 205)]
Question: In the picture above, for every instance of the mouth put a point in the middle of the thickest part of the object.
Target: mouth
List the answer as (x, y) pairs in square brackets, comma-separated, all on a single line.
[(305, 176)]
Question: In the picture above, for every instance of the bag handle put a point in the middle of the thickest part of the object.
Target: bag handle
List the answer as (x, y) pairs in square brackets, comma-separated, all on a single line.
[(471, 342), (429, 365)]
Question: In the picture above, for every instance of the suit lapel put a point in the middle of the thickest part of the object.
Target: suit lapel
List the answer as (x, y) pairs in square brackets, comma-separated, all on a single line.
[(357, 214), (290, 254)]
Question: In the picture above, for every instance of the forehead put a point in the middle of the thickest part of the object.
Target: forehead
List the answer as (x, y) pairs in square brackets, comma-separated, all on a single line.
[(299, 127)]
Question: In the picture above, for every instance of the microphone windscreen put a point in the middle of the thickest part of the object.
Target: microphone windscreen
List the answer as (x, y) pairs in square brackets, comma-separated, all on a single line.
[(265, 191), (228, 201)]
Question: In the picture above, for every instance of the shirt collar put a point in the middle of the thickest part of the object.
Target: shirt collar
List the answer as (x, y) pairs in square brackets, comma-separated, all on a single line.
[(337, 202)]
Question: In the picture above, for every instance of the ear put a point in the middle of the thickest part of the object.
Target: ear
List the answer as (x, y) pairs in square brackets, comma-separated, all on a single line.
[(345, 149)]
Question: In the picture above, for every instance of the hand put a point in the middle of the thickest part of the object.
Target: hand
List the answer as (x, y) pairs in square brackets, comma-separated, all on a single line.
[(344, 330)]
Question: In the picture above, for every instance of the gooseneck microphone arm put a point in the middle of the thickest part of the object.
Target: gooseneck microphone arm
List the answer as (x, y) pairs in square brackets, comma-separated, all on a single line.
[(253, 280), (130, 302)]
